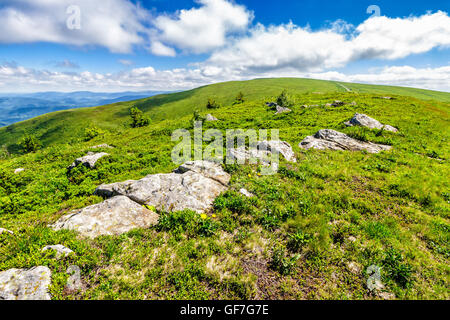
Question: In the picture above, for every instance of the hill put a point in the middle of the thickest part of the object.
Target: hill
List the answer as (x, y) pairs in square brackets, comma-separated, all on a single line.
[(62, 126), (311, 231)]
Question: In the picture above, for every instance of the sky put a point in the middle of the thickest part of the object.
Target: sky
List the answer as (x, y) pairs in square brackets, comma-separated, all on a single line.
[(126, 45)]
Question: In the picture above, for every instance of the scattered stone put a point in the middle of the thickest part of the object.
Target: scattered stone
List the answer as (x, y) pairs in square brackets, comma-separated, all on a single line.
[(106, 146), (278, 146), (337, 103), (363, 120), (374, 283), (246, 193), (386, 295), (351, 239), (111, 217), (6, 231), (387, 98), (61, 251), (305, 106), (328, 105), (354, 267), (88, 160), (74, 282), (194, 185), (18, 170), (353, 103), (282, 110), (210, 117), (23, 284), (334, 140)]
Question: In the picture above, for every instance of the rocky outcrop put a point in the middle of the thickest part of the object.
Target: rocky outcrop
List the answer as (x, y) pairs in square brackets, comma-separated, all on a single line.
[(363, 120), (262, 152), (60, 250), (111, 217), (279, 146), (194, 185), (334, 140), (6, 231), (210, 117), (88, 160), (22, 284)]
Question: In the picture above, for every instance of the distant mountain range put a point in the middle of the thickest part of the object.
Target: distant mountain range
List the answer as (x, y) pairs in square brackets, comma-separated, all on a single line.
[(19, 107)]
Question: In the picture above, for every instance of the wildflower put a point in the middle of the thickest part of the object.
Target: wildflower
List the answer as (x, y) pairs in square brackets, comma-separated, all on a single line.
[(203, 216), (214, 216), (249, 175)]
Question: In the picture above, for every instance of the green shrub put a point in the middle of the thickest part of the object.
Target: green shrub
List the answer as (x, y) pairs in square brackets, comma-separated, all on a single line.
[(92, 132), (281, 262), (283, 100), (30, 143), (298, 240), (138, 118), (397, 269), (212, 104), (239, 98)]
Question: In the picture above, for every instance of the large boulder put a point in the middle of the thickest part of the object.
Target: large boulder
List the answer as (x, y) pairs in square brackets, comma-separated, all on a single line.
[(279, 146), (89, 160), (23, 284), (363, 120), (334, 140), (194, 185), (111, 217), (263, 151)]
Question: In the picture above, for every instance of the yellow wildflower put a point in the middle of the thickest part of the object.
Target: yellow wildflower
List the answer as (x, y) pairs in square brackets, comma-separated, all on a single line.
[(203, 216), (214, 216)]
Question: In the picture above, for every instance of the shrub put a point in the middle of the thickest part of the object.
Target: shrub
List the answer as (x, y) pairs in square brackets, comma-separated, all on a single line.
[(30, 143), (283, 100), (281, 262), (298, 240), (212, 104), (138, 118), (239, 98), (92, 132), (396, 269)]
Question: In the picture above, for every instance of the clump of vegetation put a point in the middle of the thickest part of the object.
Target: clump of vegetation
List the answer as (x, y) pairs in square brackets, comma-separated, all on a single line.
[(30, 143), (281, 261), (239, 98), (138, 119), (283, 100), (298, 240), (212, 104), (196, 116), (396, 269), (92, 132)]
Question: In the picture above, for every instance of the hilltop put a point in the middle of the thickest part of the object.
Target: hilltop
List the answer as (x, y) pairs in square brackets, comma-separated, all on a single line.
[(310, 231)]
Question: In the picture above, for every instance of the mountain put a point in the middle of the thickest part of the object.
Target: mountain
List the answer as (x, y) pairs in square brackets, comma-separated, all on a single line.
[(337, 223), (19, 107)]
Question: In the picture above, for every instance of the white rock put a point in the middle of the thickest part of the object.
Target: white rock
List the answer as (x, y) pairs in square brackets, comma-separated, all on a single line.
[(74, 282), (61, 251), (282, 110), (88, 160), (104, 145), (194, 185), (22, 284), (363, 120), (246, 193), (6, 231), (111, 217), (210, 117), (354, 267), (278, 146), (334, 140), (18, 170)]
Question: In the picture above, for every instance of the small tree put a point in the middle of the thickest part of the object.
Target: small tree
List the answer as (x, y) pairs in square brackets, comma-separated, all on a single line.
[(239, 98), (212, 104), (138, 118), (283, 100), (92, 132), (30, 143), (197, 117)]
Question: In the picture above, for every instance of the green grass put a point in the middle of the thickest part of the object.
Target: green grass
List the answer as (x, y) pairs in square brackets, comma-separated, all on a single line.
[(293, 240)]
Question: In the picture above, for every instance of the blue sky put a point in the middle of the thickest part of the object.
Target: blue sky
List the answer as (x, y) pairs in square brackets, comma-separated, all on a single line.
[(123, 45)]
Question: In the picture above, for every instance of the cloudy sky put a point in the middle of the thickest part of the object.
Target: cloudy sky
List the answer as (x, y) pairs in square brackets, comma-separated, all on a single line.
[(125, 45)]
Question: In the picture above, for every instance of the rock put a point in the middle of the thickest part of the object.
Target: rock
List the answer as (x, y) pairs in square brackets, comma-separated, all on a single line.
[(282, 110), (387, 98), (242, 155), (351, 239), (23, 284), (278, 146), (210, 117), (18, 170), (111, 217), (6, 231), (194, 185), (354, 267), (88, 160), (353, 103), (374, 283), (61, 251), (337, 103), (334, 140), (386, 295), (363, 120), (74, 282), (246, 193), (104, 145)]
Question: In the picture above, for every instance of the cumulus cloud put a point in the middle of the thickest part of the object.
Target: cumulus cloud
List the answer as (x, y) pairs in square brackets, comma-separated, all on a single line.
[(115, 24), (16, 77), (202, 29), (290, 47)]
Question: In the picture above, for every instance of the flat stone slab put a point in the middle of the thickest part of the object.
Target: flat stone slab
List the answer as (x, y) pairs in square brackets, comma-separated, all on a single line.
[(194, 185), (360, 119), (61, 251), (25, 284), (334, 140), (88, 160), (111, 217)]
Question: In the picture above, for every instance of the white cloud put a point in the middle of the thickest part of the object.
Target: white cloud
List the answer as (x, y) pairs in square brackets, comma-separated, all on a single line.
[(205, 28), (115, 24)]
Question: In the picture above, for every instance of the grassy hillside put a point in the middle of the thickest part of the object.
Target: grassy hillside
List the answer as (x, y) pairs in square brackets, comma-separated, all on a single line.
[(63, 126), (311, 231)]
